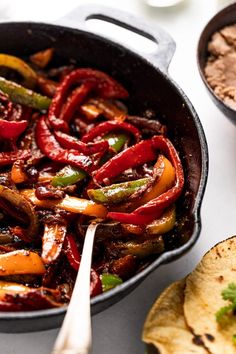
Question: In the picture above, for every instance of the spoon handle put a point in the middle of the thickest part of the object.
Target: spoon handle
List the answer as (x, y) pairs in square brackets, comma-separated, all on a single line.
[(75, 336)]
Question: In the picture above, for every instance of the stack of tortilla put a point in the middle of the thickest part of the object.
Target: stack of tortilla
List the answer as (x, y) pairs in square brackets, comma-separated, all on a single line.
[(183, 320)]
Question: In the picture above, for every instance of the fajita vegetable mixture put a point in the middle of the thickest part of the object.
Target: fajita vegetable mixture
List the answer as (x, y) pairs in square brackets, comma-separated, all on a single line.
[(70, 153)]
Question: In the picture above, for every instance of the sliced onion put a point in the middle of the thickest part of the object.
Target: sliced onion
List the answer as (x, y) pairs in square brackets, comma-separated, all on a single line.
[(21, 204)]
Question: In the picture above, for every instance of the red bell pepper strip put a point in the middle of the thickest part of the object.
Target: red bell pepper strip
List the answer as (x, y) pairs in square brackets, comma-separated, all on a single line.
[(155, 207), (7, 158), (12, 129), (74, 258), (105, 86), (169, 197), (10, 306), (70, 142), (75, 99), (12, 112), (72, 252), (33, 299), (134, 156), (95, 284), (51, 148), (110, 126), (134, 218)]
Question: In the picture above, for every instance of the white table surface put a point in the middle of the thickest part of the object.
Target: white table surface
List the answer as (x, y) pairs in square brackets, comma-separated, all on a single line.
[(118, 329)]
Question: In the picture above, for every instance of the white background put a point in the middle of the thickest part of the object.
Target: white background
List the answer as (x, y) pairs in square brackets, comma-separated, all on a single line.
[(118, 329)]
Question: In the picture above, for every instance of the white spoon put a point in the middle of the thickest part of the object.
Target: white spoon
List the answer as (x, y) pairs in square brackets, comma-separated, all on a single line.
[(75, 336)]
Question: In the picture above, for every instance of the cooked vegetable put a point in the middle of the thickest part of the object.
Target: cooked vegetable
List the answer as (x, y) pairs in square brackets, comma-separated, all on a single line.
[(129, 158), (74, 257), (22, 95), (69, 142), (117, 193), (11, 130), (67, 176), (22, 67), (72, 204), (157, 227), (20, 203), (165, 180), (143, 249), (28, 299), (53, 239), (17, 174), (8, 158), (51, 148), (108, 127), (164, 224), (66, 159), (90, 79), (21, 262), (72, 252), (154, 208), (42, 58), (11, 288), (110, 281), (116, 141), (95, 107)]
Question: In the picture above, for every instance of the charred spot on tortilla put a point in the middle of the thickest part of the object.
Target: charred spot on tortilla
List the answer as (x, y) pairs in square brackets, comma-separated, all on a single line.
[(209, 337), (220, 278), (198, 340)]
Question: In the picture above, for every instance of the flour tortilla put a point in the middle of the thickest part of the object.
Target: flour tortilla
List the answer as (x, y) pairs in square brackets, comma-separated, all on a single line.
[(165, 326), (203, 297)]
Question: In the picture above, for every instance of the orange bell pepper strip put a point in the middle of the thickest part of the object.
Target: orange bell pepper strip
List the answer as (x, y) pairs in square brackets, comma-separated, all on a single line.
[(42, 58), (17, 174), (163, 224), (161, 185), (21, 262), (72, 204), (95, 107), (10, 61)]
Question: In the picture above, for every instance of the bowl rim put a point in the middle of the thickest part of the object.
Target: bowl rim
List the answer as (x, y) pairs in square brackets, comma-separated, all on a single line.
[(203, 43), (166, 256)]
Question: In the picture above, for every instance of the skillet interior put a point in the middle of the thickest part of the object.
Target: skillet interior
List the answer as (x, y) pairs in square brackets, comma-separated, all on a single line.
[(148, 88)]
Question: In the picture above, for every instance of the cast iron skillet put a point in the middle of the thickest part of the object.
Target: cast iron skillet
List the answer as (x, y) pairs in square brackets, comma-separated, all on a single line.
[(150, 87)]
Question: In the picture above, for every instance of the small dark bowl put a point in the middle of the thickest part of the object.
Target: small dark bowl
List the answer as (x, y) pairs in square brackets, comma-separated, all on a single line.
[(150, 87), (225, 17)]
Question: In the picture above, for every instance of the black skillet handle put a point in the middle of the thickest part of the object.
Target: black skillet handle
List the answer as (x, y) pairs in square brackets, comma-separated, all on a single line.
[(161, 57)]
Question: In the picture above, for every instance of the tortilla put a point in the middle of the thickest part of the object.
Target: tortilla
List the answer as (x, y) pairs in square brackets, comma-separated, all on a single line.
[(203, 297), (165, 326)]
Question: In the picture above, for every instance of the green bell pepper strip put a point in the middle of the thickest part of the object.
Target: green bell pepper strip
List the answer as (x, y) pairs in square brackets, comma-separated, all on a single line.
[(22, 95), (117, 193), (110, 281), (116, 140), (67, 176)]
